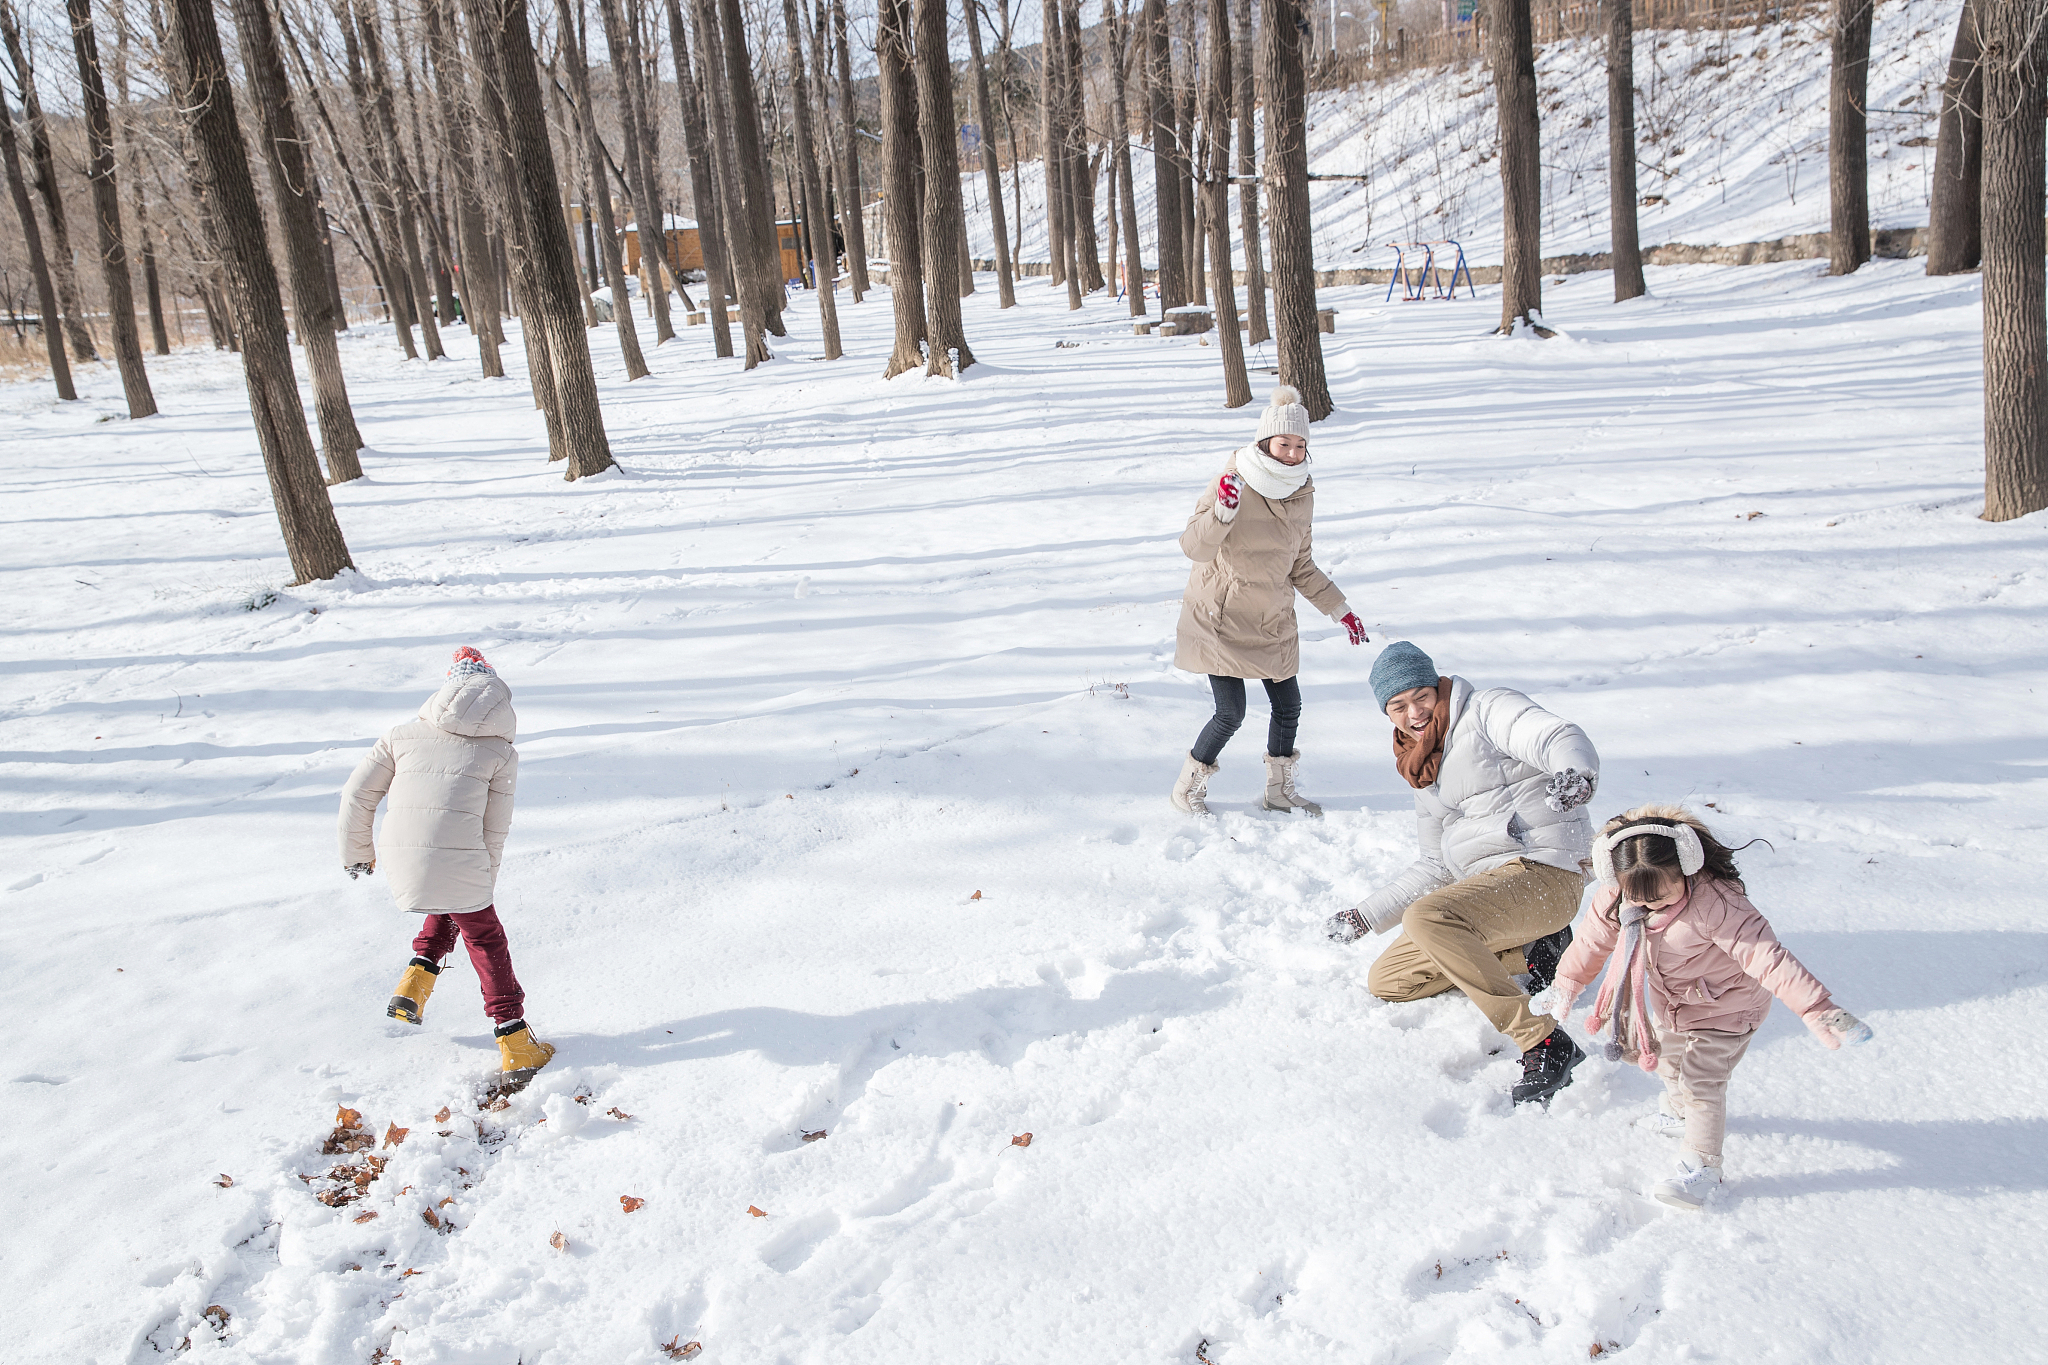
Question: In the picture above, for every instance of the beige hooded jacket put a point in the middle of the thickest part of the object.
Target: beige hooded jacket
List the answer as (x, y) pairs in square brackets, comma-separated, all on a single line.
[(449, 776), (1237, 615)]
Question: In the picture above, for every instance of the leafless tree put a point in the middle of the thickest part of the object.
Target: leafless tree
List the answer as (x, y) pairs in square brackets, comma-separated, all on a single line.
[(751, 161), (2015, 290), (1954, 232), (43, 169), (1284, 84), (1511, 52), (1237, 389), (1122, 51), (824, 261), (902, 157), (742, 232), (106, 212), (39, 266), (639, 178), (1005, 283), (703, 182), (1256, 329), (1626, 244), (946, 333), (1173, 284), (851, 195), (1848, 136), (577, 61)]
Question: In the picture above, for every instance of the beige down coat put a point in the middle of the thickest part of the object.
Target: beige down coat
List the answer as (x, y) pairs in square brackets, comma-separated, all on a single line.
[(1237, 615), (449, 776)]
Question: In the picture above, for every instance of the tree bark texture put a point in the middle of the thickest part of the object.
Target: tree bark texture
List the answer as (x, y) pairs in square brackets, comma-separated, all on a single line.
[(1511, 52), (639, 182), (703, 182), (1052, 138), (38, 265), (824, 261), (1237, 389), (2015, 288), (544, 235), (312, 536), (763, 238), (1283, 82), (407, 202), (43, 175), (741, 232), (1625, 242), (138, 200), (284, 154), (106, 213), (397, 277), (1122, 50), (577, 59), (1173, 286), (902, 154), (934, 65), (1849, 137), (993, 172), (1256, 328), (852, 197), (479, 286), (1088, 248), (1954, 231)]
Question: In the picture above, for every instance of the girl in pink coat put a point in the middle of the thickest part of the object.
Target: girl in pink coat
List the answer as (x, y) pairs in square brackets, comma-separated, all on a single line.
[(1691, 969)]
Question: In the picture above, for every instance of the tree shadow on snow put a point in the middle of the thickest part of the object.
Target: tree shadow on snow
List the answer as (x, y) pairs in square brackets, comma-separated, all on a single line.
[(1951, 1156)]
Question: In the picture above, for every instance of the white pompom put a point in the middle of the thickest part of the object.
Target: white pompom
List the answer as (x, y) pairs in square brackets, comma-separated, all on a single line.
[(1286, 396)]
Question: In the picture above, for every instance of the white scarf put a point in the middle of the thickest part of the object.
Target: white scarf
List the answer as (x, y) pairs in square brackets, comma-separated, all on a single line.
[(1268, 477)]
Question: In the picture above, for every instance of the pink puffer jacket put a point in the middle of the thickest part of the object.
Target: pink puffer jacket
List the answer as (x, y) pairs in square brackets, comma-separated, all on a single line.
[(1713, 962)]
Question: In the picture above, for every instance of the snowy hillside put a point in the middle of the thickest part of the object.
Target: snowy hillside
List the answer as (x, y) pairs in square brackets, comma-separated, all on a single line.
[(847, 716), (1732, 128)]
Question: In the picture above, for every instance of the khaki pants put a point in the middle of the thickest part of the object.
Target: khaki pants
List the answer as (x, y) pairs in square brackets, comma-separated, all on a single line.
[(1470, 935), (1695, 1066)]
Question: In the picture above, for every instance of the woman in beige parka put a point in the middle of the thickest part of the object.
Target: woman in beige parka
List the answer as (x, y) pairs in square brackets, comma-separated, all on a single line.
[(449, 776), (1250, 540)]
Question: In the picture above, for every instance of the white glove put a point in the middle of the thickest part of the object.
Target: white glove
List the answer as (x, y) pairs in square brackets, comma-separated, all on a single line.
[(1836, 1027)]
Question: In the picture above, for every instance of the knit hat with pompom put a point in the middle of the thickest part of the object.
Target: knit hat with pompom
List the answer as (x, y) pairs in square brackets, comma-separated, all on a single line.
[(467, 661), (1284, 416)]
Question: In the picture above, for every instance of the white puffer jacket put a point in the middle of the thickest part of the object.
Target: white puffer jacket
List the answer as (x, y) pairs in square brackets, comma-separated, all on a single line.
[(1486, 807), (450, 777)]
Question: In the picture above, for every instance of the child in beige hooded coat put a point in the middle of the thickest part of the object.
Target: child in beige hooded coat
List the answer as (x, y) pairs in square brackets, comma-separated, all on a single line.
[(449, 776)]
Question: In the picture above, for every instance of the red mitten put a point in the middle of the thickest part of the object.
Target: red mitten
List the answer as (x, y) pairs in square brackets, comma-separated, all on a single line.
[(1226, 491), (1355, 627)]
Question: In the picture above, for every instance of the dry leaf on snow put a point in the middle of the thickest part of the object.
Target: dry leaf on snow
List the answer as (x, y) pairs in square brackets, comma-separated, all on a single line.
[(685, 1351), (393, 1134), (1021, 1140), (621, 1115), (812, 1137), (442, 1117), (430, 1218), (758, 1213), (366, 1215), (226, 1181), (629, 1202), (975, 897), (559, 1242), (346, 1117)]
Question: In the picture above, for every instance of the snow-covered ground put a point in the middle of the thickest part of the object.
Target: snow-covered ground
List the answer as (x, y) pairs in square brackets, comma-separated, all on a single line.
[(847, 717), (1731, 145)]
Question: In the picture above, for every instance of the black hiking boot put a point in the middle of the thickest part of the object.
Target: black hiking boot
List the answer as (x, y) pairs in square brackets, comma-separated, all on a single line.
[(1543, 956), (1547, 1067)]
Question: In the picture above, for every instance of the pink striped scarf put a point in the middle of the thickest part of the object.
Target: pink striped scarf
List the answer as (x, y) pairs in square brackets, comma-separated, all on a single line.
[(1624, 994)]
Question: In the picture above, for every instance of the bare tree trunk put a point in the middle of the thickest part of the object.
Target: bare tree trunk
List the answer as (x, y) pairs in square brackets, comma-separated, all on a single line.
[(576, 58), (1848, 137), (1122, 50), (284, 153), (934, 64), (1954, 223), (536, 198), (43, 170), (106, 205), (2015, 291), (632, 156), (32, 236), (1511, 52), (1052, 134), (751, 161), (1088, 252), (1625, 244), (742, 232), (901, 155), (1005, 285), (312, 536), (152, 293), (824, 262), (703, 182), (479, 284), (1237, 388), (1173, 285), (850, 192), (396, 278), (405, 195), (1285, 86), (1257, 329)]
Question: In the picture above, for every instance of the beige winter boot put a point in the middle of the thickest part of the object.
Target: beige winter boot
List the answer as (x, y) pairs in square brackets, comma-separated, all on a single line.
[(1280, 792), (1191, 788)]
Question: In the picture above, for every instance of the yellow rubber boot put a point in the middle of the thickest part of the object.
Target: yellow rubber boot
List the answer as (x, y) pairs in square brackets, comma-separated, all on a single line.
[(409, 1001), (519, 1050)]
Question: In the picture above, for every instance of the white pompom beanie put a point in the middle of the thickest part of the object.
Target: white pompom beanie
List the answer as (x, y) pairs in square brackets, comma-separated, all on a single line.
[(1284, 416)]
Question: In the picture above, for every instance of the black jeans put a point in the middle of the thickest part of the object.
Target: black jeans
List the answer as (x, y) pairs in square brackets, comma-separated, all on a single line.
[(1285, 695)]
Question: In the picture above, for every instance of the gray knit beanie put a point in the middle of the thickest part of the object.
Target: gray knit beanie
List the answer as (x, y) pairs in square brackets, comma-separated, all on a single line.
[(1400, 667), (1284, 416)]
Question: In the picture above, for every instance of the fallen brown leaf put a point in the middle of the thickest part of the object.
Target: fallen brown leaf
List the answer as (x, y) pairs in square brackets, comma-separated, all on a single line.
[(629, 1202), (442, 1117), (975, 897), (445, 1202), (393, 1134), (366, 1215), (559, 1242), (346, 1117), (430, 1218), (685, 1351), (226, 1181), (218, 1316), (812, 1137), (403, 1274), (1021, 1140), (334, 1199), (758, 1213), (501, 1103), (621, 1115)]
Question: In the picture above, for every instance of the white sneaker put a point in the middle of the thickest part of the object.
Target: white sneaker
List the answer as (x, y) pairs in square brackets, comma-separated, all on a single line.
[(1661, 1123), (1689, 1187)]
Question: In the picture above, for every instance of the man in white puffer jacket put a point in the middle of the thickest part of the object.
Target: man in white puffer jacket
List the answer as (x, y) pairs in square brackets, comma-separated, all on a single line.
[(449, 776), (1500, 789)]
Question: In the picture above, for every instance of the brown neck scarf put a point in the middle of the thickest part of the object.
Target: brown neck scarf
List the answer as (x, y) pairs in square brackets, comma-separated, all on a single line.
[(1417, 757)]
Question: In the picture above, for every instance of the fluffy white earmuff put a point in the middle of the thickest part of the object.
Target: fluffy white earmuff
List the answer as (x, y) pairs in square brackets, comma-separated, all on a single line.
[(1691, 857)]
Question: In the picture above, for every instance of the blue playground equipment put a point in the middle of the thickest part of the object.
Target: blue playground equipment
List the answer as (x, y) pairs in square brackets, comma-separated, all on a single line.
[(1427, 280)]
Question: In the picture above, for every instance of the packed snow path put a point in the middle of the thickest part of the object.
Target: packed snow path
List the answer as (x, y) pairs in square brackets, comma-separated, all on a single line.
[(829, 657)]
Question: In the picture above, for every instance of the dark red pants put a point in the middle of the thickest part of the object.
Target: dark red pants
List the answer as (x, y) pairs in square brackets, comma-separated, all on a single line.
[(485, 937)]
